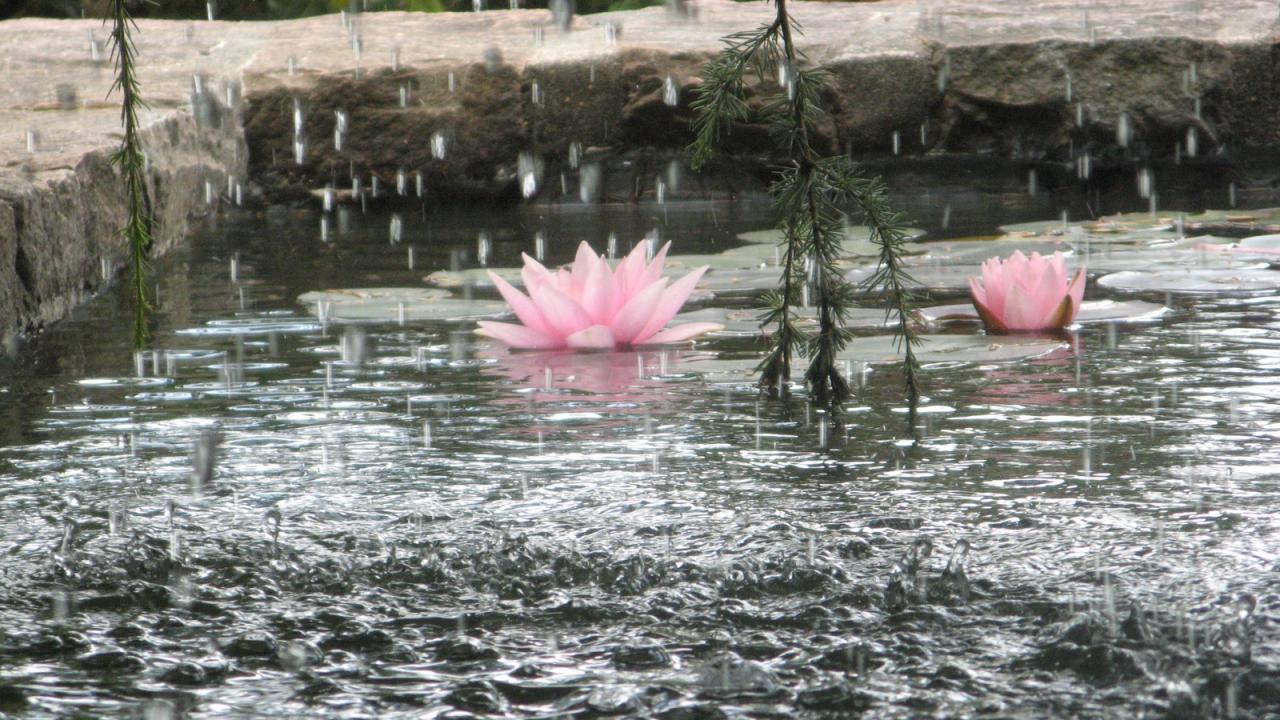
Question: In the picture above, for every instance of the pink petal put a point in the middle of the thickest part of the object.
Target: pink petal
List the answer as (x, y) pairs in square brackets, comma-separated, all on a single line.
[(583, 262), (564, 315), (534, 271), (978, 292), (680, 333), (635, 315), (1021, 311), (653, 270), (523, 307), (671, 302), (596, 337), (630, 270), (518, 336), (598, 293), (996, 283)]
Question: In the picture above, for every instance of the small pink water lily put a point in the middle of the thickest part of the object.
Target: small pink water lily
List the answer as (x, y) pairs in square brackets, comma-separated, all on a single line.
[(593, 306), (1024, 293)]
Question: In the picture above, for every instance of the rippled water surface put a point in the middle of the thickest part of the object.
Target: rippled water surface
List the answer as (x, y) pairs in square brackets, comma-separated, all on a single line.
[(433, 527)]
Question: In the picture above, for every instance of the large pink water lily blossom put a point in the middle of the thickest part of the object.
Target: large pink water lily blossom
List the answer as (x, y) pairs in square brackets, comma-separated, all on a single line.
[(593, 306), (1027, 293)]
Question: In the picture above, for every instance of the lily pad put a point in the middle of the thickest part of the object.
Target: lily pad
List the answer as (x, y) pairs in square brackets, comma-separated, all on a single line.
[(881, 349), (1091, 311), (397, 304), (473, 277), (357, 295), (1195, 281), (1112, 225), (739, 282), (745, 322), (885, 349), (935, 277), (857, 240), (1206, 258), (1269, 244), (968, 251)]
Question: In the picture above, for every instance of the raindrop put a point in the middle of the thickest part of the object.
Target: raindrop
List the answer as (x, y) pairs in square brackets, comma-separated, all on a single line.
[(271, 521), (1031, 182), (589, 182), (539, 246), (32, 141), (437, 145), (611, 246), (897, 142), (396, 230), (1193, 141), (401, 183), (670, 92), (209, 11), (292, 66), (484, 247)]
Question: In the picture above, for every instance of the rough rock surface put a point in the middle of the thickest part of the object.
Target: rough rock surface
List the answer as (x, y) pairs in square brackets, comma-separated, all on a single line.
[(62, 202), (988, 77)]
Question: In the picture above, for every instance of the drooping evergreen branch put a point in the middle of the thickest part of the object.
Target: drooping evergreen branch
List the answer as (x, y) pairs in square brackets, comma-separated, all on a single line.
[(810, 193), (129, 158)]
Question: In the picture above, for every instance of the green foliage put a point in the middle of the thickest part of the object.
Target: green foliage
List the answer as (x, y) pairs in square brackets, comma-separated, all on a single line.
[(810, 193), (131, 161)]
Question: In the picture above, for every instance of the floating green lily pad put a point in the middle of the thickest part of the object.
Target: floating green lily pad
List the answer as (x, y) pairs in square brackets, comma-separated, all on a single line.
[(473, 277), (1091, 311), (359, 295), (881, 349), (1195, 281), (856, 243), (745, 322), (398, 304), (933, 277), (968, 251), (885, 349)]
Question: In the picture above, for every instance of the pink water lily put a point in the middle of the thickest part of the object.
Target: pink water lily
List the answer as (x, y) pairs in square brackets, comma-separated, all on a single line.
[(593, 306), (1024, 293)]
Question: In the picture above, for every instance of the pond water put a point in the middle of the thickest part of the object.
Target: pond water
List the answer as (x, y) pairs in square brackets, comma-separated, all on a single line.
[(405, 522)]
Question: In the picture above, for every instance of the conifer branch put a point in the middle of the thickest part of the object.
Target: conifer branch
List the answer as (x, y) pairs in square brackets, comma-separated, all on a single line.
[(129, 158), (809, 193)]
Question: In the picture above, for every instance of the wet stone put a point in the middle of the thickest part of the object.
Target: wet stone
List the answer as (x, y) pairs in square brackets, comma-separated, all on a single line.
[(113, 661), (478, 696), (252, 645), (640, 656), (462, 648), (357, 637), (836, 695), (730, 676), (613, 700), (691, 711), (186, 674)]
